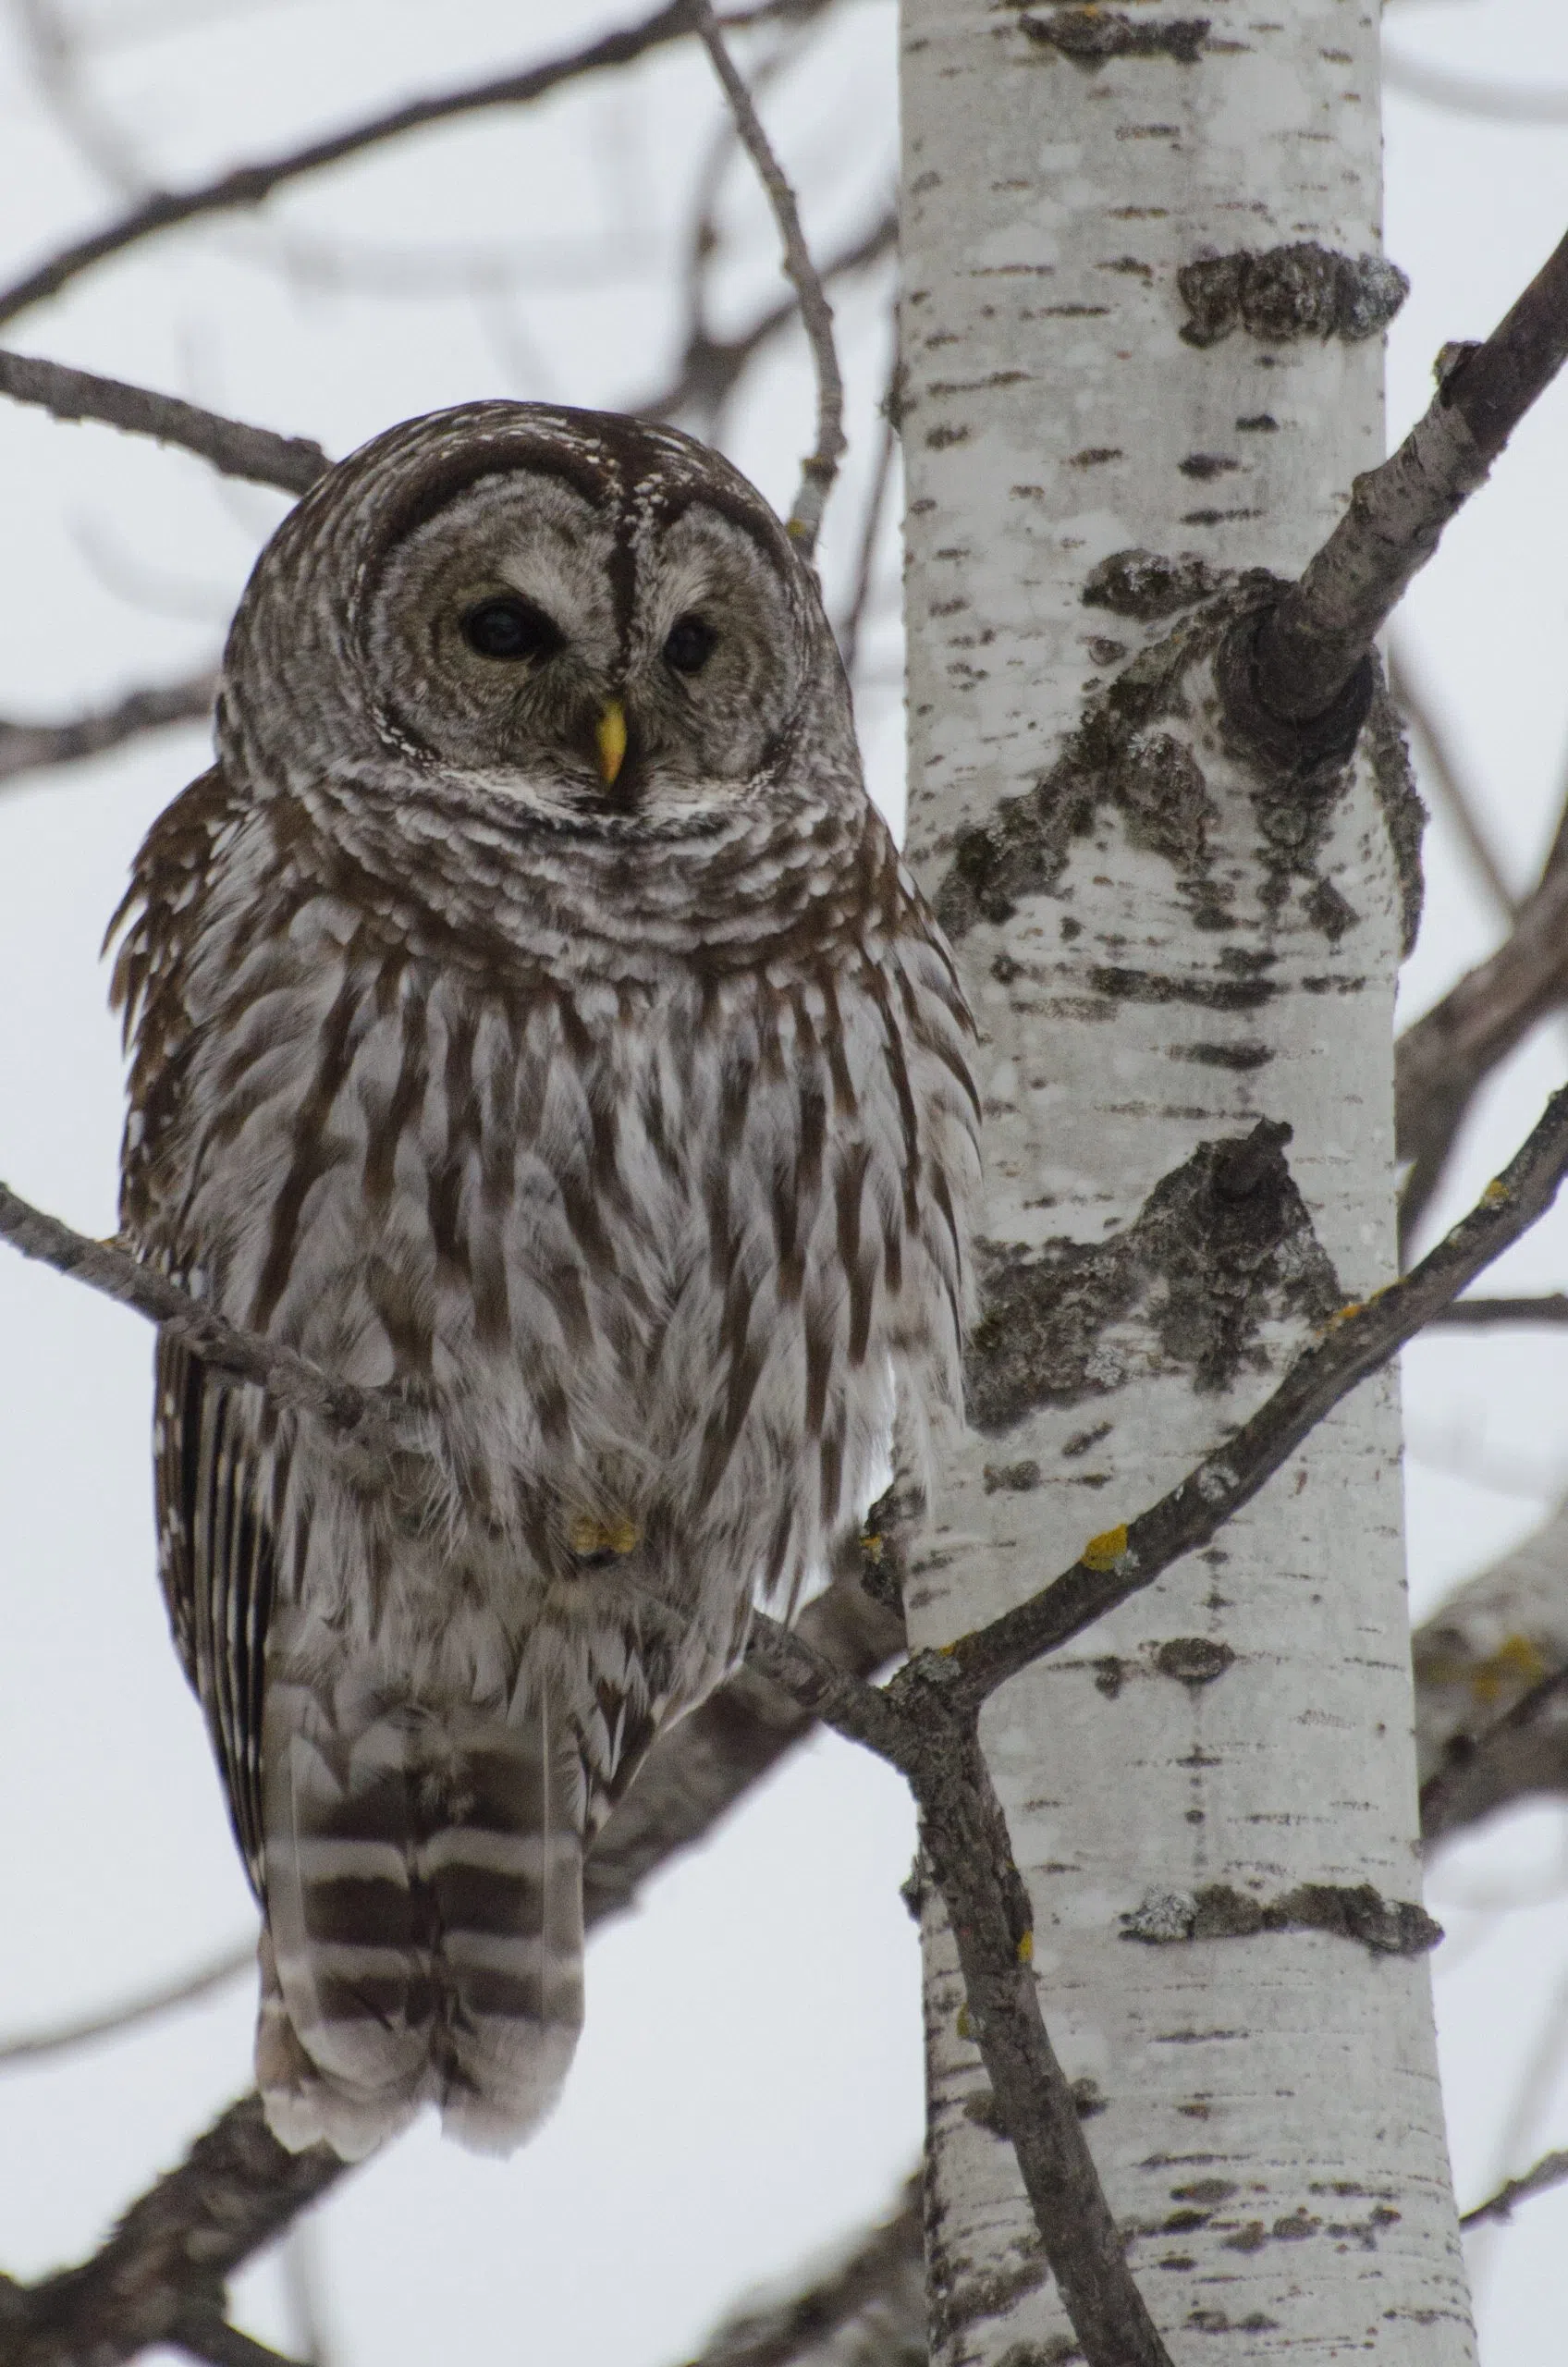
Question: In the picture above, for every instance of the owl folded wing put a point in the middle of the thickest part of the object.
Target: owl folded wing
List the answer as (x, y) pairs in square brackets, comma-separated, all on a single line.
[(216, 1562)]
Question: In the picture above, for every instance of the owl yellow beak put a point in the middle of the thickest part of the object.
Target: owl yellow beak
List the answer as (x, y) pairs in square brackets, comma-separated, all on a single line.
[(610, 733)]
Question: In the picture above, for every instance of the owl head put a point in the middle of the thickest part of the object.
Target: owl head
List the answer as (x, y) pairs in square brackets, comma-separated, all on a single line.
[(597, 621)]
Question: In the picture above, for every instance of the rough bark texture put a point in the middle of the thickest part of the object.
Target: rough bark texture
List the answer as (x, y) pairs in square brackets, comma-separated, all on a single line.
[(1168, 942)]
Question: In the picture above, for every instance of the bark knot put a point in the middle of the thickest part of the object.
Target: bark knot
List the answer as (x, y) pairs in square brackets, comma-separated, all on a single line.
[(1222, 1245)]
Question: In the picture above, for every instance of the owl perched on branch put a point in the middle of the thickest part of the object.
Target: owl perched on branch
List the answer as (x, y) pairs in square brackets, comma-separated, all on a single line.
[(531, 1015)]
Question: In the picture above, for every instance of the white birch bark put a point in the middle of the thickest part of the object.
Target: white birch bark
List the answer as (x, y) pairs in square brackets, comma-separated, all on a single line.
[(1265, 2108)]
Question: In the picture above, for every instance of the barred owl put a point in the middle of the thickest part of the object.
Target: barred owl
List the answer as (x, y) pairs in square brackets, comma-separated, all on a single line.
[(532, 1015)]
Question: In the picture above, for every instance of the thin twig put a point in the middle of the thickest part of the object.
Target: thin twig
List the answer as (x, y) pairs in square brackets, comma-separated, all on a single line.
[(34, 747), (35, 2046), (818, 472), (1549, 2171), (1444, 773), (366, 1419), (1128, 1557), (246, 185), (1442, 1059), (1472, 95), (1310, 646), (865, 558), (710, 368), (1480, 1314), (884, 2274), (291, 462)]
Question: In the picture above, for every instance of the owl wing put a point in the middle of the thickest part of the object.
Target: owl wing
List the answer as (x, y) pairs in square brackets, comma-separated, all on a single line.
[(216, 1561)]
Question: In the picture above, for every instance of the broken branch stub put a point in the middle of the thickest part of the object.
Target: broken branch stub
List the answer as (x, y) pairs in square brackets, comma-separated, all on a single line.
[(1294, 681)]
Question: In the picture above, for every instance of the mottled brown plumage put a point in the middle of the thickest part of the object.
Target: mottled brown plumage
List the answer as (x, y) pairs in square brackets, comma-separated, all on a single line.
[(615, 1108)]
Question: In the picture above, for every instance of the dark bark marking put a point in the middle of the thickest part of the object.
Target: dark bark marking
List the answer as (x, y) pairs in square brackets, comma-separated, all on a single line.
[(1203, 466), (1144, 584), (1219, 1912), (1090, 36), (1239, 1057), (1221, 1245), (1289, 292), (1194, 1661), (1016, 1478), (1114, 759)]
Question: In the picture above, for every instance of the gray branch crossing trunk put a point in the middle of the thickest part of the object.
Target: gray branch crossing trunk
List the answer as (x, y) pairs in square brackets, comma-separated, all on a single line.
[(1142, 352)]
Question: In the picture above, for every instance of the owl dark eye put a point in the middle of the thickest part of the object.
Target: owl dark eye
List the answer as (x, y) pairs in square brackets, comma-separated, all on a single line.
[(691, 643), (511, 628)]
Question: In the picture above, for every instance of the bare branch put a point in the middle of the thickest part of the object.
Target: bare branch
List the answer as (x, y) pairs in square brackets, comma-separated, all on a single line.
[(711, 367), (1440, 1061), (698, 1771), (1480, 1314), (865, 558), (35, 2046), (290, 462), (207, 2335), (1549, 2171), (1520, 1755), (1472, 95), (34, 747), (177, 2246), (1443, 772), (365, 1419), (1361, 1338), (248, 185), (818, 472), (1300, 662), (876, 2299)]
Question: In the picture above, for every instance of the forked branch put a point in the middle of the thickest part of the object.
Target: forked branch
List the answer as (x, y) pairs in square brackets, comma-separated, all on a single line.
[(1309, 648), (819, 470)]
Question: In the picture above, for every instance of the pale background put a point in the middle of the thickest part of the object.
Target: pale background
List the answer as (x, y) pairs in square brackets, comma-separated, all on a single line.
[(749, 2085)]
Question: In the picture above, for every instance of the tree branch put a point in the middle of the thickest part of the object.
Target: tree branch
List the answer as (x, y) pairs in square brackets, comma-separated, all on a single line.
[(36, 747), (1549, 2171), (1452, 795), (1471, 94), (248, 185), (965, 1839), (205, 2333), (1302, 659), (33, 2046), (819, 470), (291, 462), (371, 1421), (1441, 1060), (710, 367), (865, 558), (876, 2301), (1362, 1337), (1479, 1314)]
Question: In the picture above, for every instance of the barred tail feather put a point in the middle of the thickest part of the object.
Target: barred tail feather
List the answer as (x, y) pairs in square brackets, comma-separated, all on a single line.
[(424, 1921)]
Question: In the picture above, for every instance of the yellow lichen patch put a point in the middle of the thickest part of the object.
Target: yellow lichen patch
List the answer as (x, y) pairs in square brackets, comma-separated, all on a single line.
[(1496, 1192), (1517, 1664), (1026, 1948), (620, 1535), (1104, 1551), (1342, 1314), (871, 1545), (964, 2026)]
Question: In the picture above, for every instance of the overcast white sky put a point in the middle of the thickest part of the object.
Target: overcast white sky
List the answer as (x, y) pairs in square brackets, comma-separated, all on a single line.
[(748, 2084)]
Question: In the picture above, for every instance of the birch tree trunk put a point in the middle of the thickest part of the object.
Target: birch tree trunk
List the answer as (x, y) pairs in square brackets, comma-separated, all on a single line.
[(1141, 353)]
